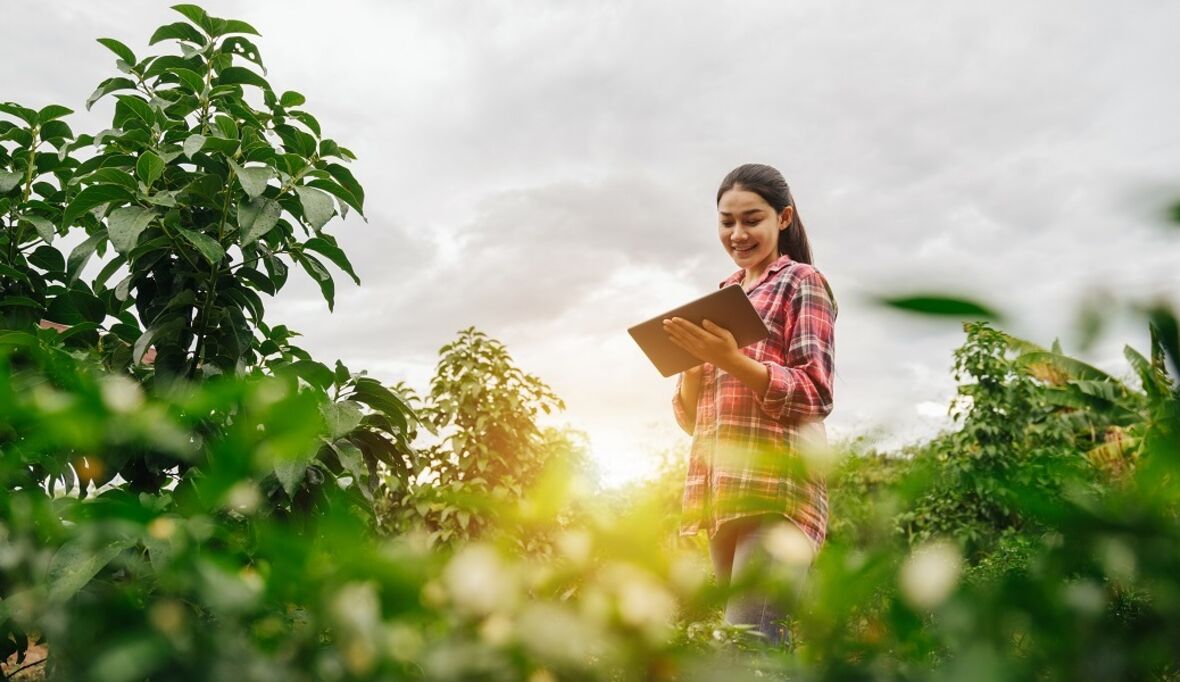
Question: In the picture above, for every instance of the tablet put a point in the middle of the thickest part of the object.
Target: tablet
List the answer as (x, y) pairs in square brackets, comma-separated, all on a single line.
[(729, 307)]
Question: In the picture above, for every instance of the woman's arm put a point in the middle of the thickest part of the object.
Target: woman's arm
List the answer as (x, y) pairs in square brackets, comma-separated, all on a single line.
[(802, 387), (684, 400)]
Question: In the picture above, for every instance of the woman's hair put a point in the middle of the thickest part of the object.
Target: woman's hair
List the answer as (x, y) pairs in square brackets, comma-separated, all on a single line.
[(768, 183)]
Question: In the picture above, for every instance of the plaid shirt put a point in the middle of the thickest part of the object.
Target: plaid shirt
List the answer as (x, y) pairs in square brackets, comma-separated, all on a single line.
[(744, 458)]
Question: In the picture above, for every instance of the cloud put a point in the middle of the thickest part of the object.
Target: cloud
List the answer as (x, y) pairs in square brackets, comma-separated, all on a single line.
[(547, 171)]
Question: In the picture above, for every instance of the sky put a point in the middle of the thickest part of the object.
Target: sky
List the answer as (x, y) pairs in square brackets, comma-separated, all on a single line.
[(546, 172)]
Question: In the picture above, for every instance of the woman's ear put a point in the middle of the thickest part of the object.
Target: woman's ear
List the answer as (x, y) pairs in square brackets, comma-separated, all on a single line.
[(786, 217)]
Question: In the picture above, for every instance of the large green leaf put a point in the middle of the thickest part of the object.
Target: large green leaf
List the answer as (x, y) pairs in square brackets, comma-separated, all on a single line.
[(240, 75), (121, 50), (159, 328), (341, 418), (207, 245), (944, 306), (9, 180), (317, 206), (257, 217), (193, 144), (149, 167), (75, 565), (334, 254), (107, 87), (1075, 369), (178, 31), (81, 254), (196, 15), (51, 113), (92, 197), (124, 225), (45, 229), (253, 179), (312, 266)]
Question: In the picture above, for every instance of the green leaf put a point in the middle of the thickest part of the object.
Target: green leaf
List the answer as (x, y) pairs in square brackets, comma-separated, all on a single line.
[(43, 226), (52, 112), (75, 565), (100, 280), (92, 197), (236, 26), (346, 180), (256, 218), (337, 191), (227, 126), (190, 78), (24, 113), (253, 179), (9, 180), (353, 461), (291, 98), (157, 329), (1072, 367), (240, 75), (81, 254), (317, 206), (196, 15), (942, 306), (341, 418), (124, 225), (334, 254), (313, 267), (193, 144), (314, 373), (237, 45), (120, 50), (139, 108), (290, 473), (178, 31), (207, 245), (149, 167), (107, 87)]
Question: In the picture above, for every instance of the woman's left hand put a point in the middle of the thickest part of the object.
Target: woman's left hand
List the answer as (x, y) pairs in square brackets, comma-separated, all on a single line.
[(708, 343)]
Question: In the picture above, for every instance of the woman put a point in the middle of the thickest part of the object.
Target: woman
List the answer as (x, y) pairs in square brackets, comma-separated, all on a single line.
[(752, 411)]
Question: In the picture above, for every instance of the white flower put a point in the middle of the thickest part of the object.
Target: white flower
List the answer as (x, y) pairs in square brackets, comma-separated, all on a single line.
[(479, 581), (930, 574), (120, 393)]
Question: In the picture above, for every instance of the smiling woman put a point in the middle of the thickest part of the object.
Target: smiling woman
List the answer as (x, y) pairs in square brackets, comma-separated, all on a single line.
[(753, 410)]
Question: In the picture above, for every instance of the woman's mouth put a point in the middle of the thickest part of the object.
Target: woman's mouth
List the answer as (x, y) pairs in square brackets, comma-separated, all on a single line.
[(743, 250)]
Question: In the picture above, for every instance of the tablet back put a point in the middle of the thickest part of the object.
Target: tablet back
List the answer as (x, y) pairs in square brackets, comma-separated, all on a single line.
[(728, 307)]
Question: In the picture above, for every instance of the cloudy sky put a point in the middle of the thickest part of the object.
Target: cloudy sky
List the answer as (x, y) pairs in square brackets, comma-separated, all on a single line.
[(546, 172)]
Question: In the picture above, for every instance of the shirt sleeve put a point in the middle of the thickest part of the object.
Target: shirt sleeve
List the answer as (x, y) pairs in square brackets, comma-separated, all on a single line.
[(678, 408), (802, 388)]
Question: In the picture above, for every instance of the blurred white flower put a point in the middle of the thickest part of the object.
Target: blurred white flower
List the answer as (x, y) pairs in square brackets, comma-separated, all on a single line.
[(243, 497), (496, 629), (479, 581), (687, 574), (786, 543), (643, 602), (121, 393), (557, 635), (930, 574), (576, 545), (356, 609)]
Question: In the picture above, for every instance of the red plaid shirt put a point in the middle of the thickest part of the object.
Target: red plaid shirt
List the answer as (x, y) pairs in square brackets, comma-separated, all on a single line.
[(744, 458)]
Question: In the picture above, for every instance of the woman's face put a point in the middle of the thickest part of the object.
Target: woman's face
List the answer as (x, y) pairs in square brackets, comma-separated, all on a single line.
[(749, 228)]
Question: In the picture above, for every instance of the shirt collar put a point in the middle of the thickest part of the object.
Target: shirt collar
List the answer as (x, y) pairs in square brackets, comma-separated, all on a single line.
[(777, 265)]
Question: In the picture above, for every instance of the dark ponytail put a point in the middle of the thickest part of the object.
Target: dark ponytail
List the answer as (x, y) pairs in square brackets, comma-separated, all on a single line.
[(768, 183)]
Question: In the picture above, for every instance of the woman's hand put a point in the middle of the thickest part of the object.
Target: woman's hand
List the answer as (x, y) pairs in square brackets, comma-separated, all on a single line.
[(708, 343)]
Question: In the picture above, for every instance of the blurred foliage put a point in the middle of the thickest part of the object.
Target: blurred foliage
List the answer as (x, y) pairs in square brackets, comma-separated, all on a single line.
[(188, 495)]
